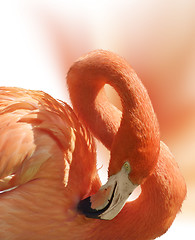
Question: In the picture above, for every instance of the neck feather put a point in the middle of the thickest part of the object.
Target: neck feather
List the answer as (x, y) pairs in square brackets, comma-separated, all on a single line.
[(133, 134)]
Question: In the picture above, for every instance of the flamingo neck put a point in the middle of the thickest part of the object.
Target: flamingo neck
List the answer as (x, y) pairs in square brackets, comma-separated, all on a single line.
[(153, 212), (131, 135)]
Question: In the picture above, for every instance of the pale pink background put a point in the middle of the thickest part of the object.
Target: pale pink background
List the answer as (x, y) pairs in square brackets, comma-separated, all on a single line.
[(39, 40)]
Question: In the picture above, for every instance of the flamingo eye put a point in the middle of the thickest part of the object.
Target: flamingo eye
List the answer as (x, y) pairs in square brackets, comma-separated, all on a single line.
[(127, 167)]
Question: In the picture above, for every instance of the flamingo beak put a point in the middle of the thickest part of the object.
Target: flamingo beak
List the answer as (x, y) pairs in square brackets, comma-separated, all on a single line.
[(110, 198)]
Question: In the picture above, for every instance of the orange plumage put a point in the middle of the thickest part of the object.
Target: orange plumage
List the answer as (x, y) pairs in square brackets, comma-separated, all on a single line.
[(48, 157)]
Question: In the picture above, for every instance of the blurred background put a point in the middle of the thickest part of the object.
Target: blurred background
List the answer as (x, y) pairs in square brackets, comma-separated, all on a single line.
[(39, 40)]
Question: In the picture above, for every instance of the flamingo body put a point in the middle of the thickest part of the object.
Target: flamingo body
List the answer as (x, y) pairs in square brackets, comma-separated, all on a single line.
[(39, 137), (48, 159)]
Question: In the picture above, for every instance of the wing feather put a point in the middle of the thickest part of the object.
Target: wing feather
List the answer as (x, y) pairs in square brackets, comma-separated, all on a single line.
[(30, 122)]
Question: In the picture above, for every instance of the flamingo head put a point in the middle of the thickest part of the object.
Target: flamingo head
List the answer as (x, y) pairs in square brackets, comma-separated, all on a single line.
[(111, 197)]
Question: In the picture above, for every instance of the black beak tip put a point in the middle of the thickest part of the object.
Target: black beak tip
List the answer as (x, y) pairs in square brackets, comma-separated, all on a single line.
[(84, 207)]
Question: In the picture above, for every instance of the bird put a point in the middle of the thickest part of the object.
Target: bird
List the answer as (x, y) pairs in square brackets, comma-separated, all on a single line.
[(49, 182)]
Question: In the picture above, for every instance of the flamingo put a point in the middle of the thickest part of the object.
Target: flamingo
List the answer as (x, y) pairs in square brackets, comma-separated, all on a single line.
[(49, 184)]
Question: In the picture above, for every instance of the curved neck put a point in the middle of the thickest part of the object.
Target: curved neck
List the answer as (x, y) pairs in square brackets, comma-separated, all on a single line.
[(134, 136)]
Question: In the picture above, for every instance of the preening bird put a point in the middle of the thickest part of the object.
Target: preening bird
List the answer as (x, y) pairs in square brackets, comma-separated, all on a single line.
[(49, 184)]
